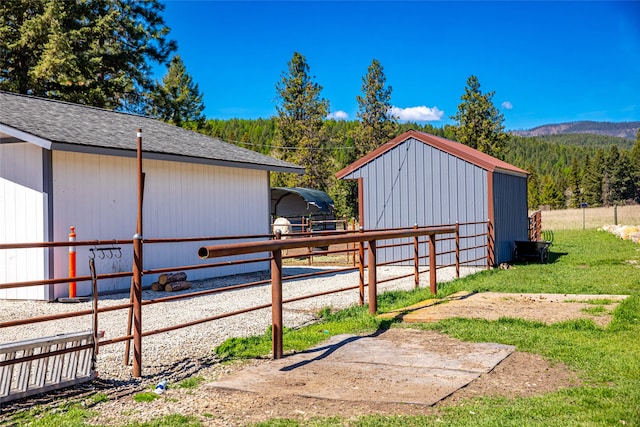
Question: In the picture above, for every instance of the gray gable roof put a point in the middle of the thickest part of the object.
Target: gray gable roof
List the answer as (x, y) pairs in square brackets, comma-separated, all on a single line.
[(57, 125)]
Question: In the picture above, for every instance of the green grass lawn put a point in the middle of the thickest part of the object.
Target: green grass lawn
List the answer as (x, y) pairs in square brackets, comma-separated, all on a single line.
[(607, 360)]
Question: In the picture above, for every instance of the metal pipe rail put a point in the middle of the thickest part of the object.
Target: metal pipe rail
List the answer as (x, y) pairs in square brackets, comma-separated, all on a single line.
[(207, 252), (356, 242), (277, 246)]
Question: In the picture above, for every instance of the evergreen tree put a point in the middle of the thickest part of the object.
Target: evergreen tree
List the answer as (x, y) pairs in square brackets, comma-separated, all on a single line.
[(575, 182), (592, 179), (634, 160), (550, 194), (177, 99), (480, 124), (299, 135), (93, 52), (533, 188), (377, 124), (635, 151), (622, 179), (609, 186)]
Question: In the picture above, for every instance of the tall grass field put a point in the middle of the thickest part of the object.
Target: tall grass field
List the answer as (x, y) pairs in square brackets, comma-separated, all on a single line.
[(574, 219)]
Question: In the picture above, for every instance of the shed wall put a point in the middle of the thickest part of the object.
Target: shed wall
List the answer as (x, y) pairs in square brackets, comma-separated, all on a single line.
[(510, 213), (415, 183), (23, 209), (98, 195)]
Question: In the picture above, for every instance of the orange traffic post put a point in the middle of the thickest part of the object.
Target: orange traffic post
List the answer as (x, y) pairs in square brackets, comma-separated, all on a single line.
[(72, 262)]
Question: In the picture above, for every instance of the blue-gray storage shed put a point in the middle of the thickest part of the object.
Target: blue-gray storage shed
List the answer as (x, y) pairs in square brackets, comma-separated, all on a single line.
[(418, 178)]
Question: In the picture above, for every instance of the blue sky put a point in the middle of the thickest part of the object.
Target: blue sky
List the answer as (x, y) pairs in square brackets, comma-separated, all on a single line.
[(548, 62)]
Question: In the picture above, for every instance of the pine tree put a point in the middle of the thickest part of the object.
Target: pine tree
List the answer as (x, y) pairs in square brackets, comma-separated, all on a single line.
[(575, 181), (533, 188), (550, 195), (608, 184), (622, 179), (376, 123), (177, 99), (592, 179), (480, 124), (299, 135), (634, 160), (93, 52)]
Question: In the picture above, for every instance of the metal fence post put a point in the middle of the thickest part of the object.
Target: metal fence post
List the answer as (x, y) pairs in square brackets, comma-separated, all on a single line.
[(433, 287), (457, 249), (352, 227), (416, 259), (373, 278), (361, 269), (489, 246), (276, 301), (137, 305), (137, 268)]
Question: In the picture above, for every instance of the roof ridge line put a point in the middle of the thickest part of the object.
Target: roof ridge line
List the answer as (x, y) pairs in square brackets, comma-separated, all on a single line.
[(73, 104)]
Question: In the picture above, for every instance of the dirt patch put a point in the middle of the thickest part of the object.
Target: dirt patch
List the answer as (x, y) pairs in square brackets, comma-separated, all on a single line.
[(546, 308), (518, 375)]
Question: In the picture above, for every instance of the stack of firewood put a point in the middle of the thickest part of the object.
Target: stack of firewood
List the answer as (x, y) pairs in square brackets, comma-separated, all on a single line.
[(171, 282)]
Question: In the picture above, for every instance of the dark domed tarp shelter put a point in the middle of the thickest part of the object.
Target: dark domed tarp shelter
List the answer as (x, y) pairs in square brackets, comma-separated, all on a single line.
[(296, 203)]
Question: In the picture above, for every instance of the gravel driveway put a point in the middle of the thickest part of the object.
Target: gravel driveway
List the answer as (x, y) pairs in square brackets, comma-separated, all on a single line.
[(172, 353)]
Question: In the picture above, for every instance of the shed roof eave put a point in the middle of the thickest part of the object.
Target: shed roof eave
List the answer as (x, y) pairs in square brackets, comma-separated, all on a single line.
[(26, 137), (523, 174), (151, 155), (453, 148)]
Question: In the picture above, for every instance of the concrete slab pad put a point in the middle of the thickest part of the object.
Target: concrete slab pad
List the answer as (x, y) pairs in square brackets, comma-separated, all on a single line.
[(398, 365)]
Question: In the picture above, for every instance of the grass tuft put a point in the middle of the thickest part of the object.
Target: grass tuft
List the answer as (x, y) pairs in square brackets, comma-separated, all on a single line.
[(145, 396), (191, 382)]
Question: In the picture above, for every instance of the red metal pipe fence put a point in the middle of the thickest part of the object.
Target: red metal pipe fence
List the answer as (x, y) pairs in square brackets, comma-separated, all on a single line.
[(356, 242)]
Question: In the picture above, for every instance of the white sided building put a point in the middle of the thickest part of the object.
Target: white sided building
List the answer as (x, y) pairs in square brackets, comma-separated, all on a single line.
[(64, 165)]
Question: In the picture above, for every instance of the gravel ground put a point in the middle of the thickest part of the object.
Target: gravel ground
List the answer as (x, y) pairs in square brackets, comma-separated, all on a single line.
[(178, 354)]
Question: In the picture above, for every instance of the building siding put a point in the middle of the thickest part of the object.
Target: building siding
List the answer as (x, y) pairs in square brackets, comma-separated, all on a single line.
[(23, 210), (22, 164), (98, 195), (415, 183), (510, 214)]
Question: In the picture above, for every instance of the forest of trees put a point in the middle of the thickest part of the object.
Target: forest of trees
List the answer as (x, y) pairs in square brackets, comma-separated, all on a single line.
[(593, 169), (100, 53)]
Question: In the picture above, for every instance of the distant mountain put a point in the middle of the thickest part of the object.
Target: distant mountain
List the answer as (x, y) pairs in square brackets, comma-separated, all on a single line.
[(625, 130)]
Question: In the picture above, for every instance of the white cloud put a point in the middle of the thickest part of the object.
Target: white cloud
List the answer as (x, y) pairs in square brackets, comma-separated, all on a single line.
[(507, 105), (417, 114), (338, 115)]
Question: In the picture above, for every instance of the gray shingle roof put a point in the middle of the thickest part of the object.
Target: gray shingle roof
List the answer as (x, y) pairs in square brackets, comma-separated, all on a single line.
[(72, 127)]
